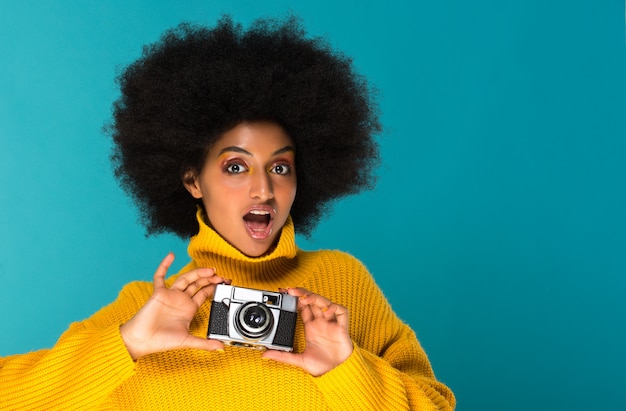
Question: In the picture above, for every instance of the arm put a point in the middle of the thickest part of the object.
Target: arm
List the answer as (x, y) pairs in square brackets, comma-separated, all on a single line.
[(95, 356), (87, 363), (398, 379), (386, 368)]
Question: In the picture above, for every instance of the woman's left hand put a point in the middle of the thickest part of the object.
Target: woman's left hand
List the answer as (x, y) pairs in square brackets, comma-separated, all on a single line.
[(328, 342)]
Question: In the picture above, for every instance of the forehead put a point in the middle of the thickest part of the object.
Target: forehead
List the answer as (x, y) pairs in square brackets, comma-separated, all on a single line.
[(253, 137)]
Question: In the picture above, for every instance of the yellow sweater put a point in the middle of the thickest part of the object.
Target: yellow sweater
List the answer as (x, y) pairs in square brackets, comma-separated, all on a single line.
[(90, 368)]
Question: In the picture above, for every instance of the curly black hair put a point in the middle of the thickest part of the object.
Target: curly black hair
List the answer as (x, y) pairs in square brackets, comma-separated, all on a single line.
[(197, 82)]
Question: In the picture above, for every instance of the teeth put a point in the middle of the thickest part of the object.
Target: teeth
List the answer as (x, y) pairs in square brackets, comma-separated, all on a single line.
[(259, 212)]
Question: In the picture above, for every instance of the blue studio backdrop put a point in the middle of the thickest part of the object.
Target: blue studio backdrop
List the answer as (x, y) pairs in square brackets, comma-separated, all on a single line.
[(498, 225)]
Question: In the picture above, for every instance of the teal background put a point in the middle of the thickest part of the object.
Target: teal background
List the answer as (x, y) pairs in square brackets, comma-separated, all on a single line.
[(498, 227)]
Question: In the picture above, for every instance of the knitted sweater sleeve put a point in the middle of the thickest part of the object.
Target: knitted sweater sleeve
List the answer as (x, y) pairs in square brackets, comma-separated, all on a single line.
[(85, 365), (388, 369)]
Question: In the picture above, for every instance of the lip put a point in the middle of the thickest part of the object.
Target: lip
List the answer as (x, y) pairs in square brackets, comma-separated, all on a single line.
[(267, 231)]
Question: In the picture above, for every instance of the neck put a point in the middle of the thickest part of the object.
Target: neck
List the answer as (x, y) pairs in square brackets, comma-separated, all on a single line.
[(209, 249)]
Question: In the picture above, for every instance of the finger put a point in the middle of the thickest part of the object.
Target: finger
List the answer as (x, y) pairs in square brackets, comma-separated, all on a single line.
[(298, 292), (192, 277), (284, 357), (203, 282), (202, 344), (315, 300), (203, 294), (161, 271), (206, 291), (317, 311), (330, 310), (307, 296), (343, 318), (305, 314), (338, 312), (195, 287)]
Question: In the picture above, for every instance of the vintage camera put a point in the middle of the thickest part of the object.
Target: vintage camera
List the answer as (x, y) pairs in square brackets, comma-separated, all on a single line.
[(252, 318)]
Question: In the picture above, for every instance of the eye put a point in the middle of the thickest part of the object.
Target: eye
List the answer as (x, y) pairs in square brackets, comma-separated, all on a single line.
[(282, 169), (235, 168)]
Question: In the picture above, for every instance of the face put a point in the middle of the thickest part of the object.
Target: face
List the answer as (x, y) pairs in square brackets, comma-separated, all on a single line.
[(247, 185)]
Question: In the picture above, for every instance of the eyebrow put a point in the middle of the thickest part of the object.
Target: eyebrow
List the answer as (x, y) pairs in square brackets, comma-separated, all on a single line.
[(246, 152)]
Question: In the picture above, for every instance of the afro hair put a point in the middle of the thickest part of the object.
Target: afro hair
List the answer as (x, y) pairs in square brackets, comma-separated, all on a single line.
[(197, 82)]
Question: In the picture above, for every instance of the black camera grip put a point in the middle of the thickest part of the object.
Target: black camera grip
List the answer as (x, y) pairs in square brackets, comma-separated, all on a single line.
[(285, 329), (218, 320)]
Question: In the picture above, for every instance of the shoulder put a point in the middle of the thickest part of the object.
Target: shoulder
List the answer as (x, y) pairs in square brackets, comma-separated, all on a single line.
[(130, 299), (334, 266), (138, 291), (337, 272), (335, 259)]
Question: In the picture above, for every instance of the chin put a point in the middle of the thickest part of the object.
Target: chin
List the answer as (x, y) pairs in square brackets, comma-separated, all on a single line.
[(258, 250), (255, 253)]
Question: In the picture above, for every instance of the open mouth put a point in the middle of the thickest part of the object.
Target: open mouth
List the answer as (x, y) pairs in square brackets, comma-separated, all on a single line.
[(259, 223)]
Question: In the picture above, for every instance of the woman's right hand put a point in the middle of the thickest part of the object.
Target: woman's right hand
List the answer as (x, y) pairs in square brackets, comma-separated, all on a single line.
[(162, 324)]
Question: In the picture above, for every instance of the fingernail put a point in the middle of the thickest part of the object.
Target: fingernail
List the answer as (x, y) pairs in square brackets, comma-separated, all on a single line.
[(220, 350)]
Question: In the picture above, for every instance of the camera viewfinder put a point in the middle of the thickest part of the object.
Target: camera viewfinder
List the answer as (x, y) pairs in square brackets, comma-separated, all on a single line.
[(271, 299)]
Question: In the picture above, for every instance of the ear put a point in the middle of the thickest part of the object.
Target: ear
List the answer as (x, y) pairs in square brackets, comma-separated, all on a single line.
[(191, 183)]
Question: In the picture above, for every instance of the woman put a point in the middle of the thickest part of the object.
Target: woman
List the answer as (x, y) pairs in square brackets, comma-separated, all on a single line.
[(238, 138)]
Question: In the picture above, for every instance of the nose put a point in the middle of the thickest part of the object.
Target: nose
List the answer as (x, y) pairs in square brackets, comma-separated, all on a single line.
[(261, 187)]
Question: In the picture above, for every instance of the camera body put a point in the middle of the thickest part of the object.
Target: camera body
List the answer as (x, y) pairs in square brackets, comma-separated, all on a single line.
[(251, 318)]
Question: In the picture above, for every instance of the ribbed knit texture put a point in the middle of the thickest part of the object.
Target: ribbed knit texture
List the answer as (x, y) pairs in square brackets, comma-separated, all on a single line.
[(89, 367)]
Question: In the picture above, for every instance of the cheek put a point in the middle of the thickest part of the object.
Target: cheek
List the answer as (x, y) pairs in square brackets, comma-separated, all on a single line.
[(222, 186), (287, 189), (217, 197), (290, 196)]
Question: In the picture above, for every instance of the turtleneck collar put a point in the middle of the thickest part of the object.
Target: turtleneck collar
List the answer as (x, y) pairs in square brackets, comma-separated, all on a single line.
[(209, 249)]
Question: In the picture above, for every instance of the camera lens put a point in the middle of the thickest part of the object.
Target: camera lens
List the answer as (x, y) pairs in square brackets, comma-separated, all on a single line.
[(254, 320), (255, 317)]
